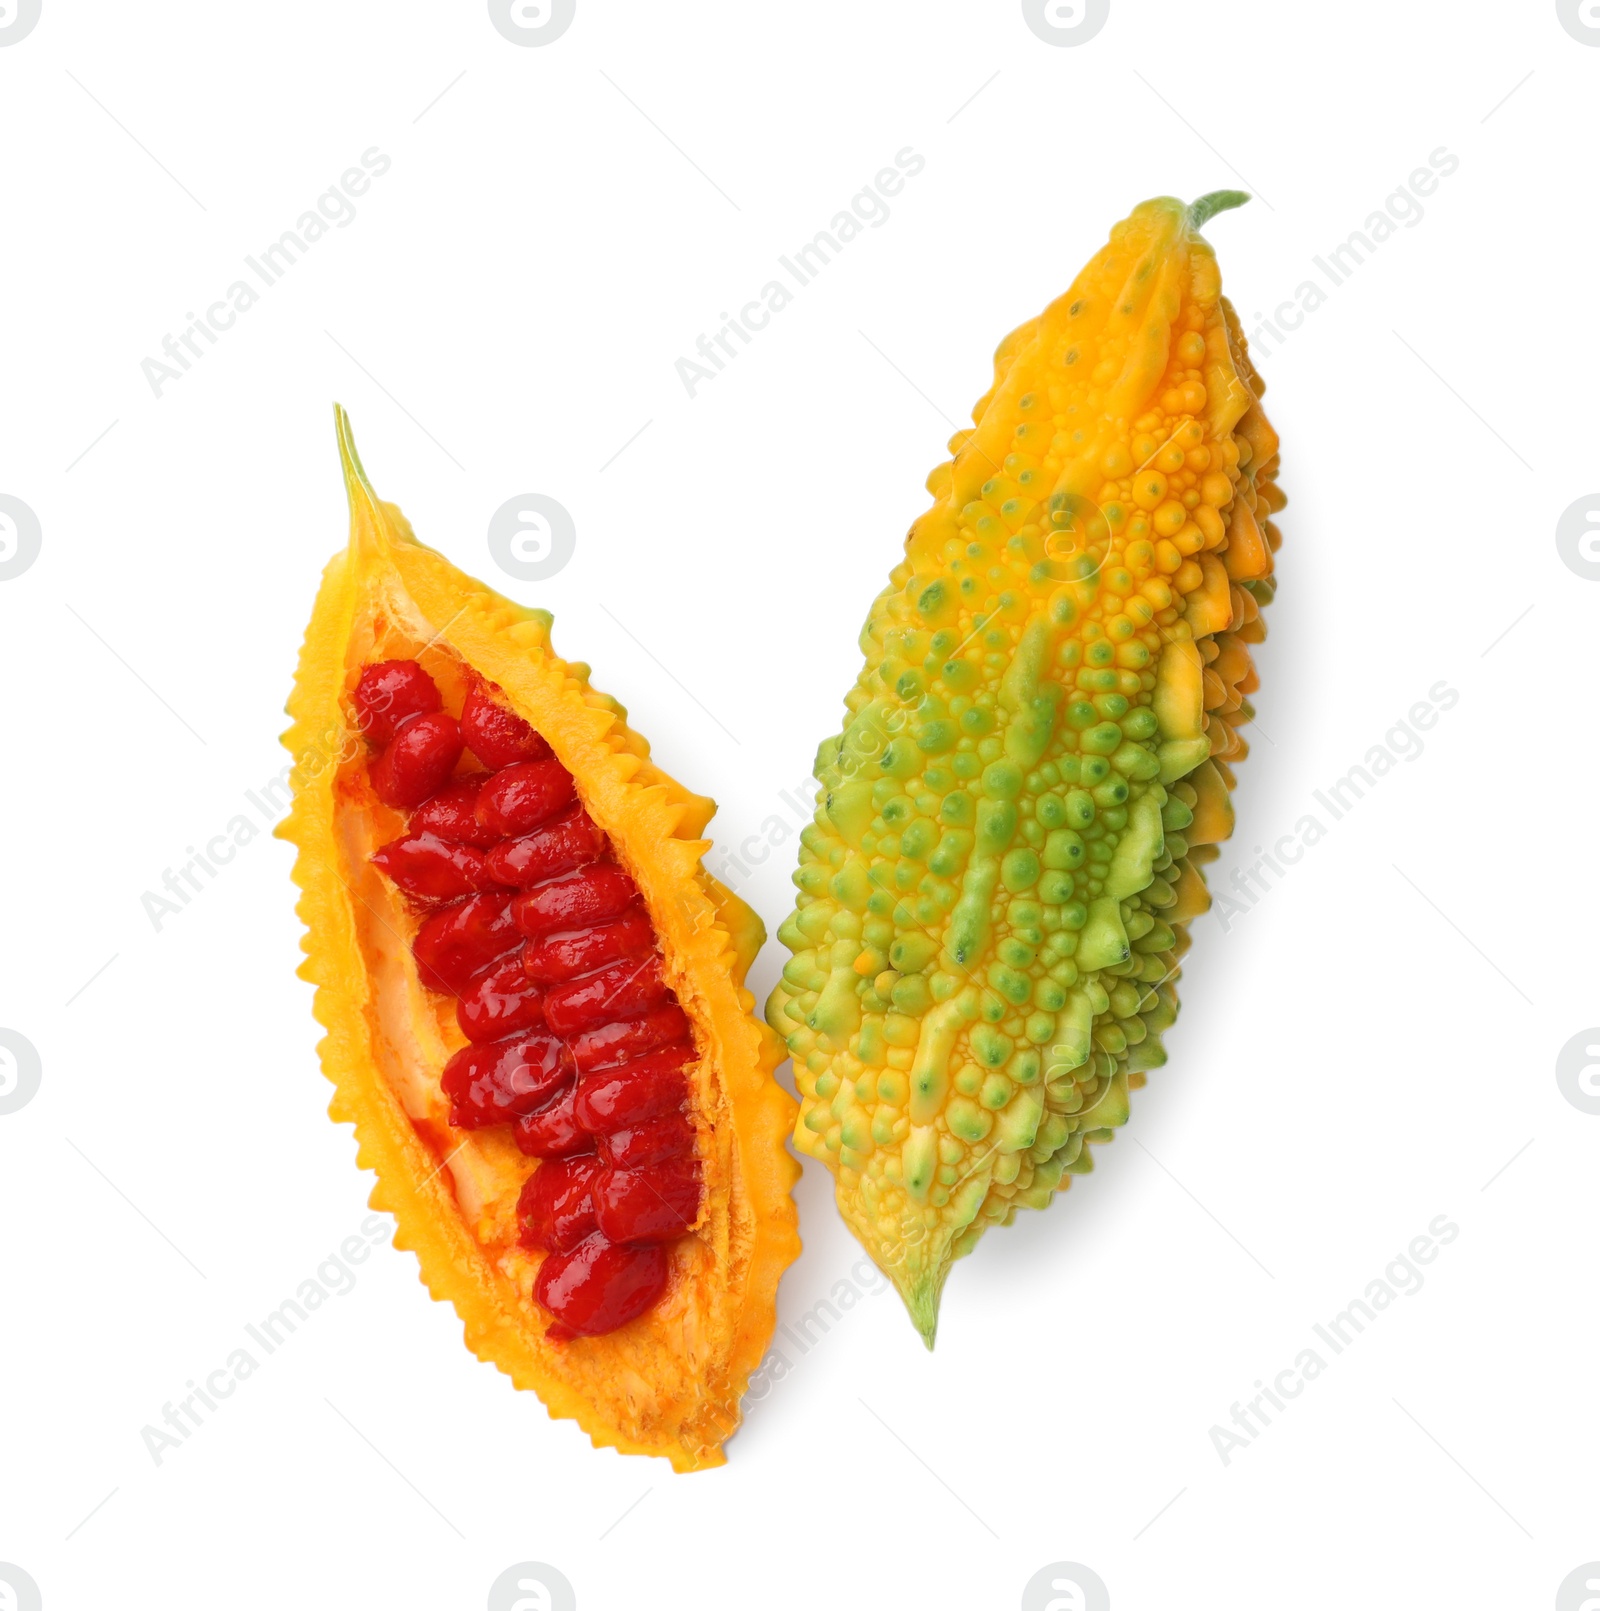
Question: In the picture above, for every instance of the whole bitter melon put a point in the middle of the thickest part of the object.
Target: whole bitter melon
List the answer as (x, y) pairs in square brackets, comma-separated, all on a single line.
[(1035, 761)]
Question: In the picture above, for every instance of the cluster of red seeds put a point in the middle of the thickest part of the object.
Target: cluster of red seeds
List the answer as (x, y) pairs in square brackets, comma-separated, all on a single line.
[(575, 1039)]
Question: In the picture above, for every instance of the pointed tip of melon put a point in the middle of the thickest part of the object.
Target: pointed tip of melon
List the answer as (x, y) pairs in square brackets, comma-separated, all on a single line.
[(920, 1291), (349, 458), (365, 515)]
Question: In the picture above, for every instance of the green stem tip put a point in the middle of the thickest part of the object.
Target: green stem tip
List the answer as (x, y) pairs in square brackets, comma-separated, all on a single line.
[(1219, 201), (366, 515), (921, 1290), (349, 457)]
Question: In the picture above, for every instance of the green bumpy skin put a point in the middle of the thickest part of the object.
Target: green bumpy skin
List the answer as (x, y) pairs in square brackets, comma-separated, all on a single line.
[(1006, 852)]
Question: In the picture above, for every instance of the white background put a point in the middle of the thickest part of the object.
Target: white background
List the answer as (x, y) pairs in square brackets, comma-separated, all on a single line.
[(1370, 1046)]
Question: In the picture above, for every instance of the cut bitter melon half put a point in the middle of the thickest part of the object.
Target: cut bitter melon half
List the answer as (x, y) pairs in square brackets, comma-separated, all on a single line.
[(534, 1000), (1035, 762)]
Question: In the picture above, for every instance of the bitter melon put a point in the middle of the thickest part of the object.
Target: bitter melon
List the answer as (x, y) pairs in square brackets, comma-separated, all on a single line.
[(534, 1000), (1035, 762)]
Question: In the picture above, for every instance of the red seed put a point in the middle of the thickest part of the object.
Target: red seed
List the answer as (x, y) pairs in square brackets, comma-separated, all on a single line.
[(495, 735), (387, 692), (598, 1287), (452, 814), (593, 894), (620, 1098), (554, 1131), (565, 956), (500, 1002), (648, 1205), (503, 1080), (558, 847), (519, 798), (653, 1142), (432, 868), (460, 941), (421, 755), (619, 1043), (623, 990), (556, 1211)]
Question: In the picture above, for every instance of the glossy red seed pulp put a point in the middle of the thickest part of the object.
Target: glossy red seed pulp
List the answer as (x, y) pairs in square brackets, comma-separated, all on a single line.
[(497, 1081), (452, 814), (433, 869), (651, 1141), (458, 942), (500, 1002), (627, 1094), (554, 1131), (600, 1286), (574, 1038), (521, 796), (388, 692), (558, 847), (420, 756), (495, 735), (565, 956), (648, 1205), (556, 1209)]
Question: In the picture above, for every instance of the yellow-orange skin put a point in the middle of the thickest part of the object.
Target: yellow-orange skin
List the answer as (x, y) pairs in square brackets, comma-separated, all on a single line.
[(1034, 764), (669, 1383)]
